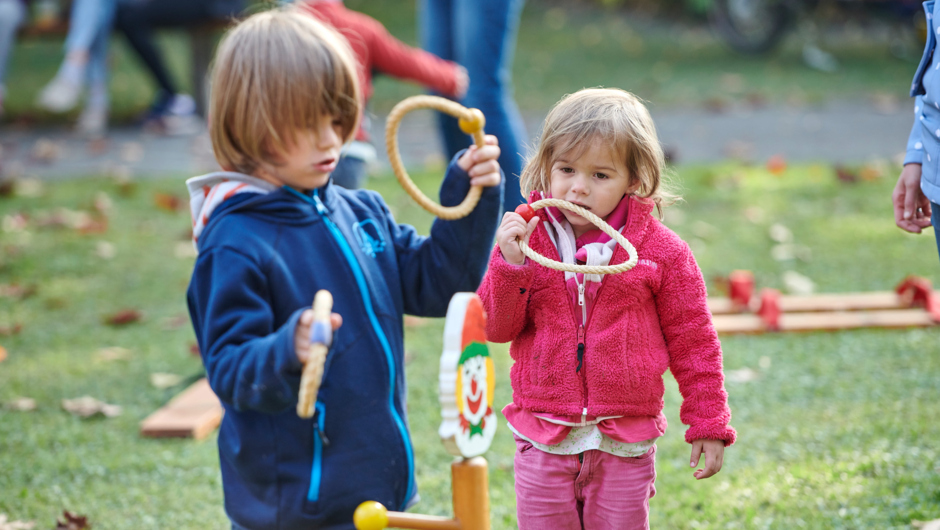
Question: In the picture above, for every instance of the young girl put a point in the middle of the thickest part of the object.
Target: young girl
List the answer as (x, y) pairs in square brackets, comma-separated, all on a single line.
[(589, 350)]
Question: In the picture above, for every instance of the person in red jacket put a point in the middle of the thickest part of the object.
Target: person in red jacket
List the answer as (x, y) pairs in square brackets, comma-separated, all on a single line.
[(376, 49), (590, 351)]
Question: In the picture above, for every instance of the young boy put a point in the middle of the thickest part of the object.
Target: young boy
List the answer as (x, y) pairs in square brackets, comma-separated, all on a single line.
[(271, 231)]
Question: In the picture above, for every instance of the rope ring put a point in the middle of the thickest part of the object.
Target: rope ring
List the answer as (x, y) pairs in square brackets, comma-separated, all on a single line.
[(471, 121), (527, 211)]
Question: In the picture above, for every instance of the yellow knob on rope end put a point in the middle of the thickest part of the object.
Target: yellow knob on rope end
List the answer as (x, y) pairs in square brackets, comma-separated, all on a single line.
[(474, 123), (370, 515)]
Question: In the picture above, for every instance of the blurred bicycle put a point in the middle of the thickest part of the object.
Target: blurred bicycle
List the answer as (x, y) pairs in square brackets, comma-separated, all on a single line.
[(758, 26)]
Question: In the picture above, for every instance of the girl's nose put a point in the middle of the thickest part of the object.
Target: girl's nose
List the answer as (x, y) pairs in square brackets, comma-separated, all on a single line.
[(579, 184)]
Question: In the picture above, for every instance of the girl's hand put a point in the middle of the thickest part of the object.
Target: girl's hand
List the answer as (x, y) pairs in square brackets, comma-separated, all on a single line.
[(482, 164), (302, 333), (911, 206), (510, 232), (714, 455)]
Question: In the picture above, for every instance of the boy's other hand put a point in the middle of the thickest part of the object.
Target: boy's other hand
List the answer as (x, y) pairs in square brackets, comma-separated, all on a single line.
[(911, 206), (482, 163), (510, 231), (714, 456), (302, 333)]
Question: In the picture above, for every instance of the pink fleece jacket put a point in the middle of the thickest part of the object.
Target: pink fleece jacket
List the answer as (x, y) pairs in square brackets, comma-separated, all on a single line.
[(643, 321)]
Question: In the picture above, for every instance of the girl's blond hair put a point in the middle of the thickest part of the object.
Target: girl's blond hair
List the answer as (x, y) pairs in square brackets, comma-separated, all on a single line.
[(276, 73), (612, 116)]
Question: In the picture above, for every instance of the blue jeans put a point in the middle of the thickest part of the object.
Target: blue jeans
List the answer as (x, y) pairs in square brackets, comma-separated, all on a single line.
[(481, 36), (935, 221), (90, 31)]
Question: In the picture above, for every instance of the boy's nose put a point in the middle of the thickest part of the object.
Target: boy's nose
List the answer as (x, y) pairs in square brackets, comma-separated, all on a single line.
[(327, 136)]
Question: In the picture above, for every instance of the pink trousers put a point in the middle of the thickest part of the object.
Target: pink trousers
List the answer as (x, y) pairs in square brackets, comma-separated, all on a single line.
[(594, 490)]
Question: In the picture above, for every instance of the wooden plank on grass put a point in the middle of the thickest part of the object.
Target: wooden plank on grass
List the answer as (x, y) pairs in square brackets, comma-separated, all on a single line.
[(820, 302), (194, 413), (820, 321)]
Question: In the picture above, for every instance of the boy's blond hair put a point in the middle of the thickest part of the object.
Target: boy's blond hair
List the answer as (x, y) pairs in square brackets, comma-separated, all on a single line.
[(612, 116), (276, 73)]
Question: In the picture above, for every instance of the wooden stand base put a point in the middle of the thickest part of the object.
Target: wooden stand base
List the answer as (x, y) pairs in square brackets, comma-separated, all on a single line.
[(471, 504), (194, 413)]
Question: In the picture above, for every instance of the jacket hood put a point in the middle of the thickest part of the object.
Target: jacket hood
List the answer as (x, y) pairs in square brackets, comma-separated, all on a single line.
[(215, 195)]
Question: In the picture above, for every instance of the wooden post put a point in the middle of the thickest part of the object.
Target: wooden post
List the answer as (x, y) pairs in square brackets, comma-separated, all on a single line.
[(471, 493)]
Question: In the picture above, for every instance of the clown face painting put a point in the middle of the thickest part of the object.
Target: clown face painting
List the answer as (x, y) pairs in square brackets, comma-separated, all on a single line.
[(467, 380)]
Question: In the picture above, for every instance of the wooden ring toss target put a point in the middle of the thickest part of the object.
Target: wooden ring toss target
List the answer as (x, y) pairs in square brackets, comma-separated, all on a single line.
[(471, 121), (527, 211), (465, 389)]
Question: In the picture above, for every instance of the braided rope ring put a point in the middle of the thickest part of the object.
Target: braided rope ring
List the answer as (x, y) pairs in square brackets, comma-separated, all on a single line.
[(527, 211), (321, 334), (471, 122)]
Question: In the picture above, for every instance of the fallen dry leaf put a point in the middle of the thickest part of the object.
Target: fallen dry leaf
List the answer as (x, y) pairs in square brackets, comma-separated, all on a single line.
[(163, 380), (194, 349), (780, 233), (171, 323), (19, 292), (105, 250), (7, 524), (7, 186), (6, 331), (844, 174), (798, 284), (414, 322), (30, 188), (185, 250), (72, 522), (15, 222), (167, 201), (776, 164), (45, 150), (123, 317), (21, 404), (744, 375), (3, 354), (87, 406), (113, 353)]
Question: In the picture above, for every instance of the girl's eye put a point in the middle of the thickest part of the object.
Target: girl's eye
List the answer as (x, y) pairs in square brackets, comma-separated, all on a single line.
[(567, 170), (601, 175)]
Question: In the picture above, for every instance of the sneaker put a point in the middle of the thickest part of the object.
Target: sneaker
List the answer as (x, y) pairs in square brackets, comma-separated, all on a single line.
[(92, 122), (60, 95)]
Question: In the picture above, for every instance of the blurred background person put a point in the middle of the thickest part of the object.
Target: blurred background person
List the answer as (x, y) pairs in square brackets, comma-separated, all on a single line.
[(377, 50), (481, 36), (85, 65), (137, 19), (12, 14)]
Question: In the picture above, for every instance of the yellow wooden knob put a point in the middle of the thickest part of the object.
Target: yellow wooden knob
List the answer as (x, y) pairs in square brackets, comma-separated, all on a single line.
[(474, 123), (370, 515)]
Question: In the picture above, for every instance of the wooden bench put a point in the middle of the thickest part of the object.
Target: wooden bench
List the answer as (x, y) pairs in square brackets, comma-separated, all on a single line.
[(201, 47)]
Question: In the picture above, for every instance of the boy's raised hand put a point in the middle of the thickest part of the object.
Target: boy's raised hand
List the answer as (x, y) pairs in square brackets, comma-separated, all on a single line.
[(302, 333), (510, 231), (714, 456), (482, 163)]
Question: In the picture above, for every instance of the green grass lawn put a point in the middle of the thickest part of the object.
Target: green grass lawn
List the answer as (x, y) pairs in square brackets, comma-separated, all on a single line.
[(841, 430), (562, 47)]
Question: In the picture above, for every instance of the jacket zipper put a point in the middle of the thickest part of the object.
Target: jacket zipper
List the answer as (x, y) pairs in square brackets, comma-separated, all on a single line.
[(386, 347), (319, 440)]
